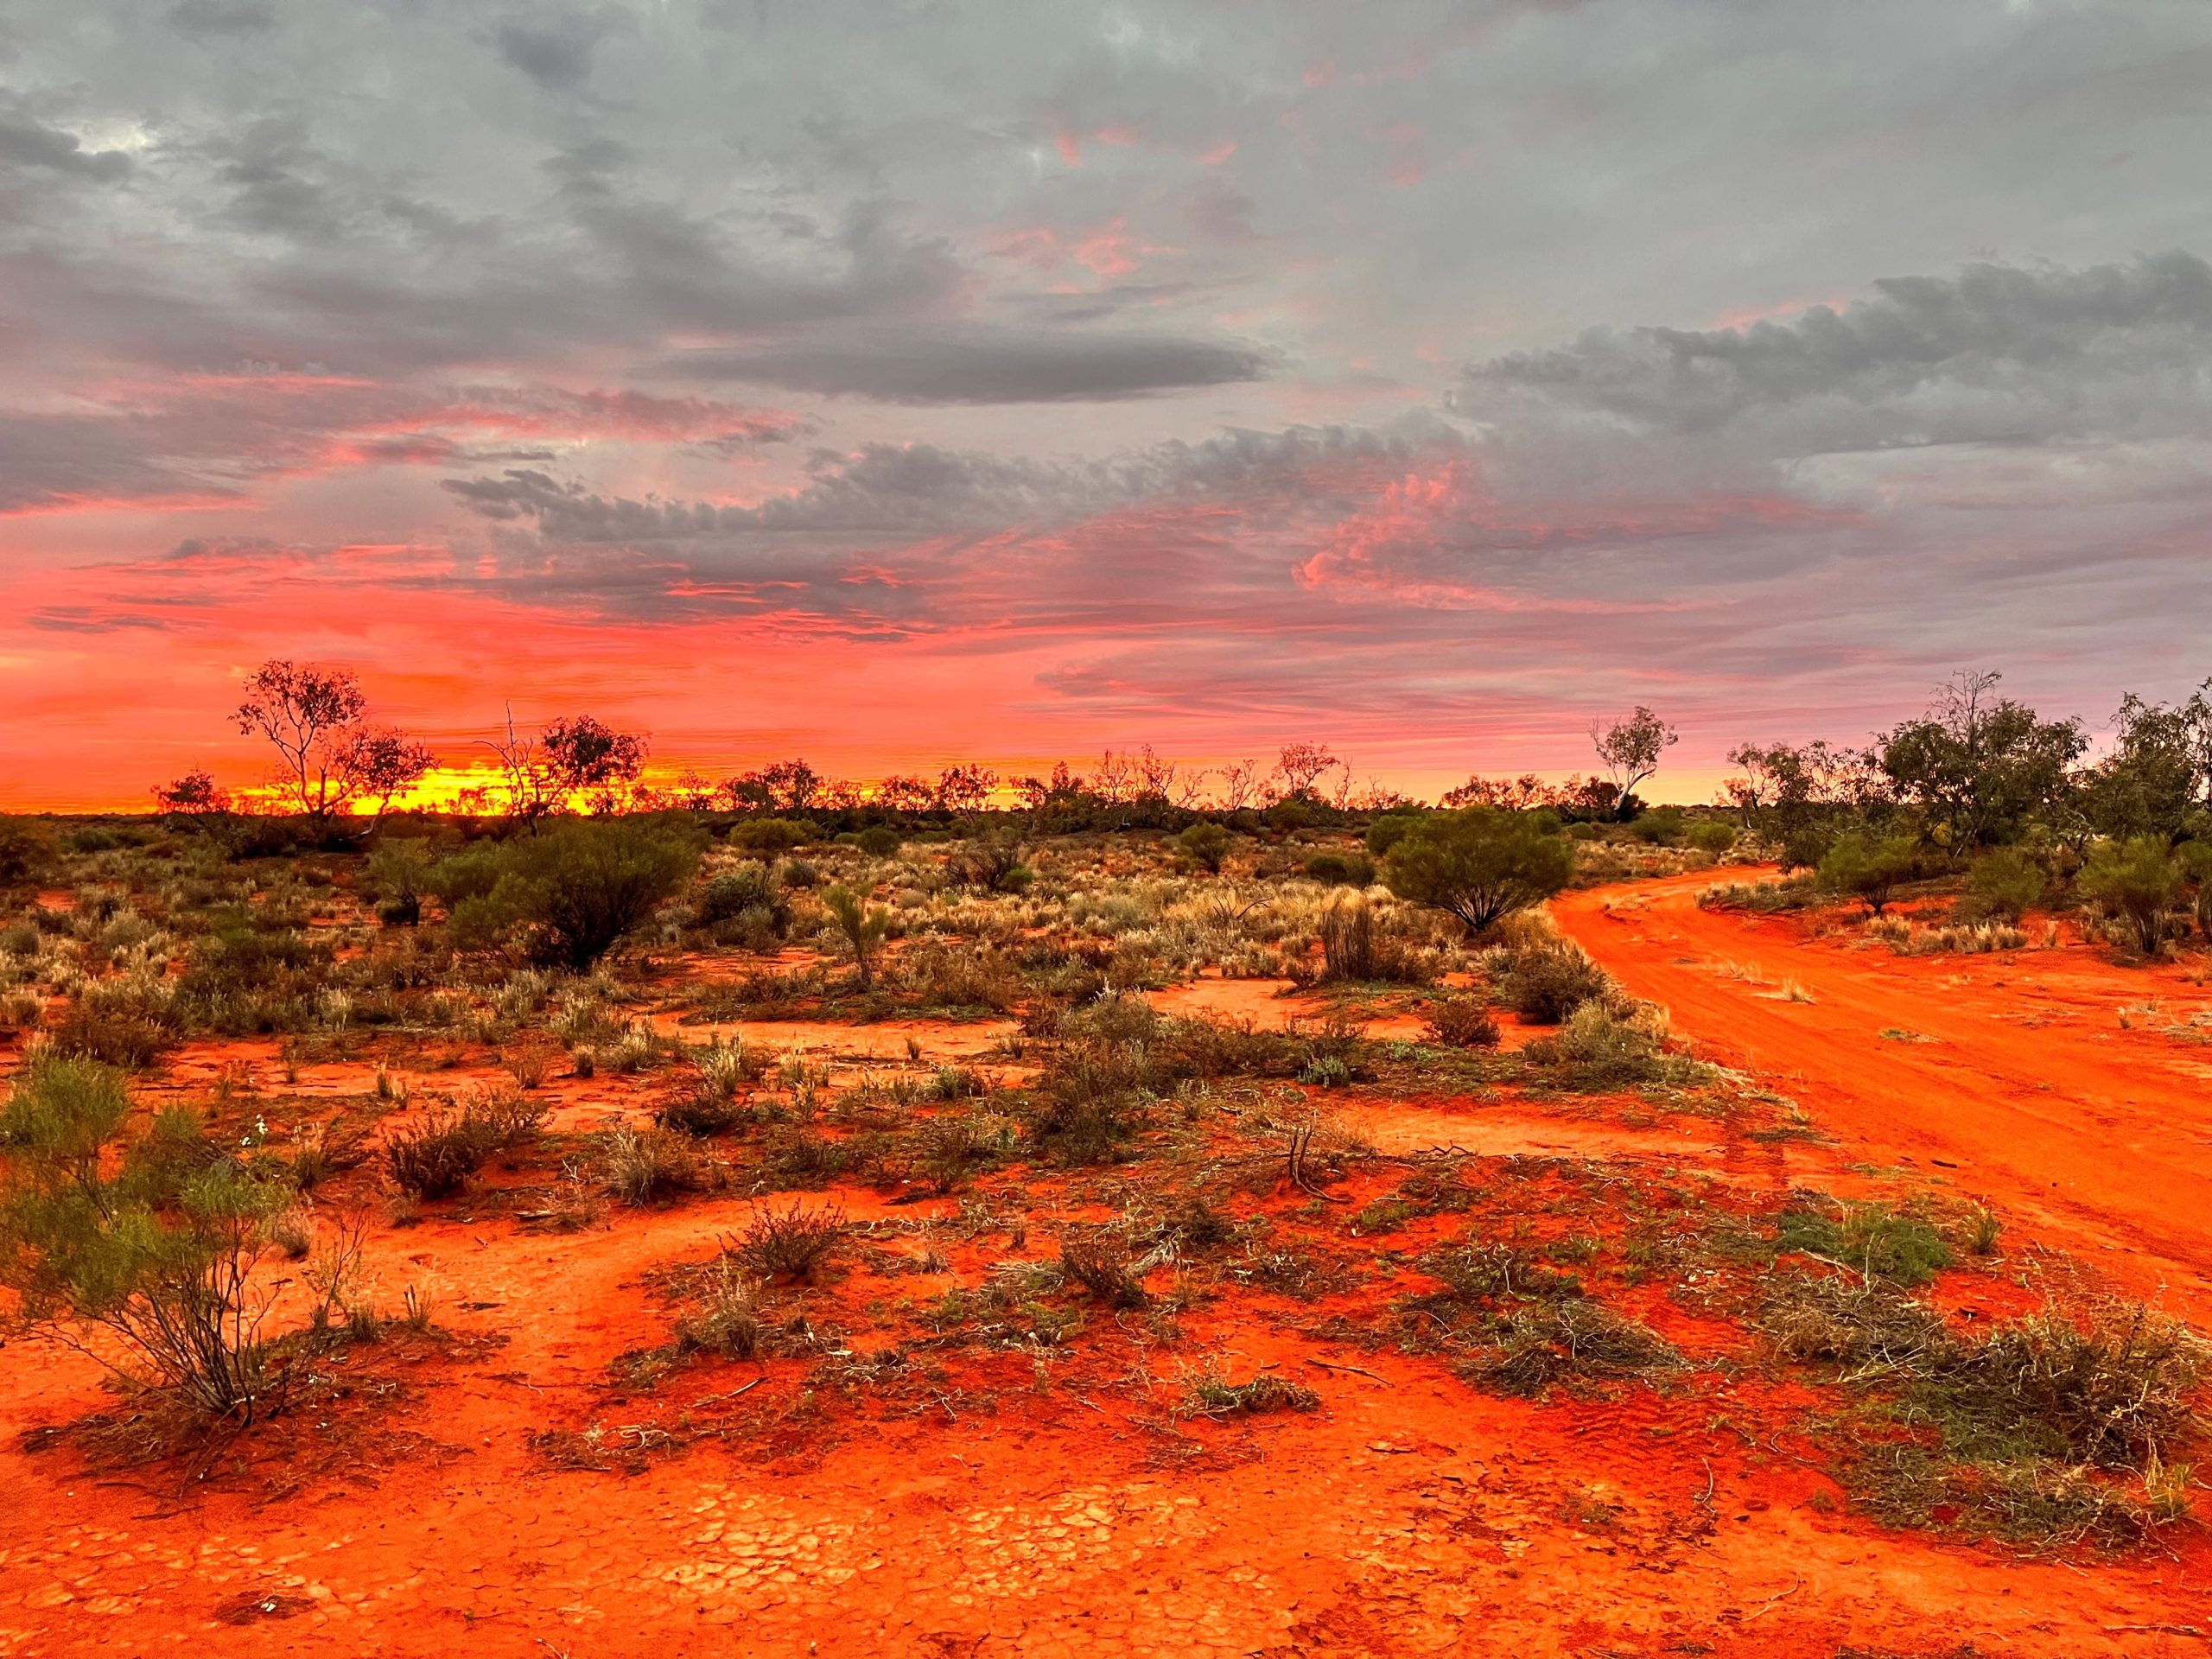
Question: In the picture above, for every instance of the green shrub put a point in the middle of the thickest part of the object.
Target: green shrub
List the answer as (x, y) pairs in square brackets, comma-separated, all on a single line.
[(1389, 830), (773, 837), (2005, 883), (2138, 880), (1871, 1239), (1205, 845), (1546, 980), (878, 841), (1342, 869), (153, 1239), (863, 925), (1867, 866), (1663, 826), (1714, 836), (1480, 864), (573, 893), (399, 872)]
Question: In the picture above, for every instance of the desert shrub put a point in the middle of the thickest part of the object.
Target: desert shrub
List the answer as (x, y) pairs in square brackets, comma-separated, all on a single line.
[(728, 1319), (862, 924), (1389, 830), (2004, 883), (1205, 844), (1714, 836), (1088, 1103), (989, 863), (573, 893), (1872, 1239), (1482, 1273), (323, 1150), (651, 1166), (792, 1242), (1464, 1022), (878, 841), (1357, 945), (1480, 864), (748, 888), (1763, 897), (953, 1145), (1544, 979), (709, 1101), (1099, 1261), (1341, 869), (944, 973), (2138, 880), (436, 1156), (798, 875), (1867, 866), (773, 837), (2019, 1433), (1538, 1344), (1662, 826), (399, 873), (151, 1239), (127, 1024), (1600, 1046)]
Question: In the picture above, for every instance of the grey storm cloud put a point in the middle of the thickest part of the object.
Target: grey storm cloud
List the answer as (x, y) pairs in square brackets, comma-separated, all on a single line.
[(985, 365), (894, 491), (1833, 319), (1997, 354), (27, 143)]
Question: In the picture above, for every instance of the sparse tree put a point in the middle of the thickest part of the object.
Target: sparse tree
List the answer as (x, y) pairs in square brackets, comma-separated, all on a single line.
[(316, 720), (1299, 768), (196, 795), (592, 761), (1240, 785), (1979, 766), (965, 788), (1630, 750)]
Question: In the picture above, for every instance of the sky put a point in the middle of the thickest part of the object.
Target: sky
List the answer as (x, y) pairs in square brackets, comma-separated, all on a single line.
[(902, 382)]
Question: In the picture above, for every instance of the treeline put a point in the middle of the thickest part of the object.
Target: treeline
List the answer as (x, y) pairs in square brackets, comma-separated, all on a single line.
[(340, 774)]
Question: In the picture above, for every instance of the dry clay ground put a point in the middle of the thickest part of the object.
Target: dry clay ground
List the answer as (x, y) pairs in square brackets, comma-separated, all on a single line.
[(1066, 1509)]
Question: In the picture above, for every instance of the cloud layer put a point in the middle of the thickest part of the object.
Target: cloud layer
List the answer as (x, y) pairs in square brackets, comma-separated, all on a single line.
[(862, 377)]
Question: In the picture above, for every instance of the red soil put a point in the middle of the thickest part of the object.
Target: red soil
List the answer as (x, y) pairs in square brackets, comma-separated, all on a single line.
[(1410, 1514), (2010, 1076)]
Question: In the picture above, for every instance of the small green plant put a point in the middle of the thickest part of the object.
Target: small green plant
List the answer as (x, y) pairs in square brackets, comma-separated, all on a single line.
[(153, 1239), (863, 925), (1205, 845), (1869, 1239)]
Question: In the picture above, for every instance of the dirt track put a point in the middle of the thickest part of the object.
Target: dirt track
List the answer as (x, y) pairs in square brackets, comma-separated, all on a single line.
[(2012, 1076)]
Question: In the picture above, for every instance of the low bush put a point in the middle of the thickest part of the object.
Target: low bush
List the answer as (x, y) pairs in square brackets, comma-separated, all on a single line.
[(1099, 1262), (793, 1243), (773, 837), (436, 1156), (571, 894), (1341, 869), (1545, 979), (2138, 881), (1357, 944), (651, 1166), (1464, 1022), (1205, 845), (1871, 1239)]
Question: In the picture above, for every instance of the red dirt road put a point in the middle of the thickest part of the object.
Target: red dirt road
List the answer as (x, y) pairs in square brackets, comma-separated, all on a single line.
[(2011, 1076)]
